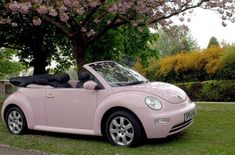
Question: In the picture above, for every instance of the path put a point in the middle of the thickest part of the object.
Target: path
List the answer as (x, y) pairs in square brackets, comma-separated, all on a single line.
[(6, 150)]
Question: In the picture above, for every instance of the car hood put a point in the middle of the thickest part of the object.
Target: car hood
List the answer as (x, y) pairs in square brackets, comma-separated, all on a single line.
[(163, 90)]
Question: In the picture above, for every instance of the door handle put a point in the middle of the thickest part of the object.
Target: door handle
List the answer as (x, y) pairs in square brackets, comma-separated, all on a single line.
[(50, 95)]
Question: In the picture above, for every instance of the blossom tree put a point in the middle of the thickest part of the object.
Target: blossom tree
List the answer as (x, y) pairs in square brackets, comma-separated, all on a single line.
[(84, 21)]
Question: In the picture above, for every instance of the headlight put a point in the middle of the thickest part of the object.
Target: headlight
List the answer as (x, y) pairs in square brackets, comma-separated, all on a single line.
[(153, 103)]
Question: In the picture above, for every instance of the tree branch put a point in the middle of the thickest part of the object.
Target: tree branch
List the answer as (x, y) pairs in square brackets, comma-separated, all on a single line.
[(59, 26), (112, 25), (90, 15), (182, 9), (12, 47)]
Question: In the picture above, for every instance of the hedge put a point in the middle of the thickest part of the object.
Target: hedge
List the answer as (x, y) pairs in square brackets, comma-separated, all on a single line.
[(222, 90)]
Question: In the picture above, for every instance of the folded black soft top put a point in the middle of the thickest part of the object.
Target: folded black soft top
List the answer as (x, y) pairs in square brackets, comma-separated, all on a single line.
[(44, 79)]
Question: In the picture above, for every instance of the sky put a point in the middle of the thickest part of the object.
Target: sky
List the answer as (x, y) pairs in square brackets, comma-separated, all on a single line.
[(206, 23)]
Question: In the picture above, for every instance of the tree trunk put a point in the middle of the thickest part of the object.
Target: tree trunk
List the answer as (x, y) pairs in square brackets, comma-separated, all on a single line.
[(79, 54), (39, 69), (39, 62)]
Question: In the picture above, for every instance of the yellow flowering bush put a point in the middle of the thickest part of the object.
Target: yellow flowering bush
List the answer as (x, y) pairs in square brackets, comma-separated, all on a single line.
[(189, 66)]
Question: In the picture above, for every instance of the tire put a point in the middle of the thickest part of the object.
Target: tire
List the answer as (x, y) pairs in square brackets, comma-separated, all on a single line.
[(123, 129), (15, 120)]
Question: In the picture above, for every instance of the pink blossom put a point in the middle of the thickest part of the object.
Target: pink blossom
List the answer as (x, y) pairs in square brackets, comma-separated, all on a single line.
[(83, 29), (37, 1), (14, 24), (96, 21), (67, 3), (37, 21), (8, 21), (53, 13), (181, 19), (24, 8), (76, 4), (134, 24), (90, 33), (94, 4), (146, 10), (113, 8), (62, 9), (233, 20), (2, 21), (224, 24), (14, 7), (42, 9), (64, 17), (19, 7), (224, 17), (80, 11), (126, 5), (229, 14)]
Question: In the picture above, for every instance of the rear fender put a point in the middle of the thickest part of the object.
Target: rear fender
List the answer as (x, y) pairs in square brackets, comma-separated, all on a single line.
[(20, 100)]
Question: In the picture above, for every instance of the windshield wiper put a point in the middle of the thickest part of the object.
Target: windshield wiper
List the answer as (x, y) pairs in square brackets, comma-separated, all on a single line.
[(135, 83)]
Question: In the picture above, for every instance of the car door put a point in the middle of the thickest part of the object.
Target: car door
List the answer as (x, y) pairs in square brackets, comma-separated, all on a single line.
[(71, 107)]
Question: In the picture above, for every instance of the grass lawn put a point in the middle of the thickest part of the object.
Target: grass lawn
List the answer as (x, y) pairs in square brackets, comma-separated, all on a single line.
[(213, 132), (1, 98)]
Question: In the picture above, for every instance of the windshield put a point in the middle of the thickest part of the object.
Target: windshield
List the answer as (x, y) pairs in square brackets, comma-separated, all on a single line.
[(118, 75)]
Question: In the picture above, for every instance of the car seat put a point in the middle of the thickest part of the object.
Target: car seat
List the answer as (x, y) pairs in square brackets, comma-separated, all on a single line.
[(62, 81), (82, 77)]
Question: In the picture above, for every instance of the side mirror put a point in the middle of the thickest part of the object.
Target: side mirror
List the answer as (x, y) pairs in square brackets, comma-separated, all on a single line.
[(90, 85)]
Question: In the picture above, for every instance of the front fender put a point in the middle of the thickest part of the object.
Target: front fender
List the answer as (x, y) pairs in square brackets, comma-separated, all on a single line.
[(20, 100), (132, 100)]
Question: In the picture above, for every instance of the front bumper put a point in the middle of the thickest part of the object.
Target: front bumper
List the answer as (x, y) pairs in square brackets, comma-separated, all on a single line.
[(173, 121)]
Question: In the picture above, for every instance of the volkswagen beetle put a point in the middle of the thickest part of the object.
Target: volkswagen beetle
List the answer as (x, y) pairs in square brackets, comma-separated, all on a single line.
[(108, 100)]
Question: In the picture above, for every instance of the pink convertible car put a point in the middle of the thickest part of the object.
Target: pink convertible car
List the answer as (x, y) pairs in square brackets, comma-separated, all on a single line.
[(109, 99)]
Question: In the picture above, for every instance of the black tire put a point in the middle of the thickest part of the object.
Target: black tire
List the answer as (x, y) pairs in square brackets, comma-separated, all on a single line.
[(16, 121), (129, 133)]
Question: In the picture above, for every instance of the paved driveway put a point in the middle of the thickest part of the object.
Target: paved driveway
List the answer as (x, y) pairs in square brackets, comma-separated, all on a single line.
[(6, 150)]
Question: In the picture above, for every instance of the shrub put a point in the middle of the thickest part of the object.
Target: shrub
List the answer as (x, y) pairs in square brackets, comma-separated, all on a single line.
[(151, 71), (194, 66), (139, 68), (223, 90), (227, 71)]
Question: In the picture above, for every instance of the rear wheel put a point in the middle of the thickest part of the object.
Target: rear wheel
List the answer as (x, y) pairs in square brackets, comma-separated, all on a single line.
[(123, 129), (15, 120)]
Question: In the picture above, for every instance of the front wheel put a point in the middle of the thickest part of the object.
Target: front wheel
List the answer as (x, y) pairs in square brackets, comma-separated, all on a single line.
[(15, 120), (123, 129)]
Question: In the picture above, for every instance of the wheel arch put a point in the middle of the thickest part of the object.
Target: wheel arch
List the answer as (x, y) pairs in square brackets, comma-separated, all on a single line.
[(9, 106), (114, 109), (120, 101)]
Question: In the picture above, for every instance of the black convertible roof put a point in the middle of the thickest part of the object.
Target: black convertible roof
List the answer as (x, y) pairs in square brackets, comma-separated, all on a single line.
[(44, 79)]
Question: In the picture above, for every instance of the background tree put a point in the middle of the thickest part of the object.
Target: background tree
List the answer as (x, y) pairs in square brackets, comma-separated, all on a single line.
[(227, 71), (83, 22), (213, 42), (32, 43), (175, 41), (125, 44), (8, 67), (37, 46)]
